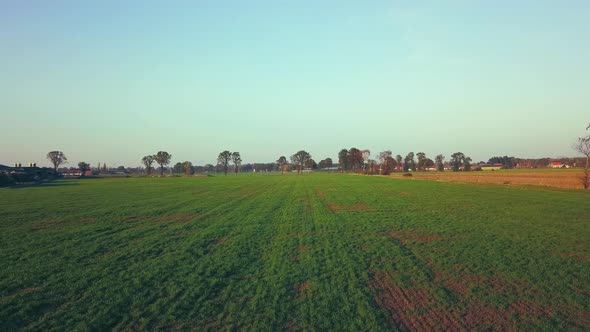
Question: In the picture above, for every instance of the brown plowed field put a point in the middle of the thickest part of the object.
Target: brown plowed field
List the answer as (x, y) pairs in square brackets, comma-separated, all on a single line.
[(568, 179)]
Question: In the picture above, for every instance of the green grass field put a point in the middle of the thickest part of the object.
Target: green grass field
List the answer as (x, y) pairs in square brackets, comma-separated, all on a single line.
[(309, 252)]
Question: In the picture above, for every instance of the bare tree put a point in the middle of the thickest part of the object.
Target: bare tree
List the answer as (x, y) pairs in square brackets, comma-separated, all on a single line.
[(300, 159), (282, 161), (583, 146), (223, 160), (147, 161), (237, 160), (163, 159), (57, 158)]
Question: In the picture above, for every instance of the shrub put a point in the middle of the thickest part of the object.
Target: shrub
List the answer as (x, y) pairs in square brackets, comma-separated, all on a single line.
[(6, 180)]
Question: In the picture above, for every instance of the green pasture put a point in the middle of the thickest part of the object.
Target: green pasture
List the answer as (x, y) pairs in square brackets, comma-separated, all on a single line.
[(271, 252)]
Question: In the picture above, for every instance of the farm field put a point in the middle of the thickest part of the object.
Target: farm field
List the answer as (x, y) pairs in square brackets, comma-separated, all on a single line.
[(557, 178), (293, 252)]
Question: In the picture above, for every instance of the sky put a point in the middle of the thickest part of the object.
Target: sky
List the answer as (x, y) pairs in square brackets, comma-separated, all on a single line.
[(112, 81)]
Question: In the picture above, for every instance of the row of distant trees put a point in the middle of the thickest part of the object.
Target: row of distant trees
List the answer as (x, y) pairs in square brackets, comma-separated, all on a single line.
[(349, 160), (162, 158), (353, 160), (58, 158), (356, 160)]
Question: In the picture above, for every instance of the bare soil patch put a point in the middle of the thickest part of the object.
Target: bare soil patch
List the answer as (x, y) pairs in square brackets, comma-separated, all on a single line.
[(302, 289), (579, 317), (411, 309), (300, 249), (578, 256), (568, 179), (418, 308), (220, 240)]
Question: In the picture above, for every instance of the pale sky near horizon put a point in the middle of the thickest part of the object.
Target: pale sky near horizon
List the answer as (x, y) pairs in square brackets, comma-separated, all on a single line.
[(112, 81)]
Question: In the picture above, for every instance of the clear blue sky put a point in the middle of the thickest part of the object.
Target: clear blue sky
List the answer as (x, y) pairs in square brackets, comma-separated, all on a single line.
[(112, 81)]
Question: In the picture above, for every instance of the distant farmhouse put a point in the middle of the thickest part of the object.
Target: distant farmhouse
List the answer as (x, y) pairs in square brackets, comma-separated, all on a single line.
[(491, 167), (558, 164), (76, 173)]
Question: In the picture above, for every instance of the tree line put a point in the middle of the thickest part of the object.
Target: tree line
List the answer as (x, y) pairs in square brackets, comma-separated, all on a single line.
[(349, 160), (360, 161)]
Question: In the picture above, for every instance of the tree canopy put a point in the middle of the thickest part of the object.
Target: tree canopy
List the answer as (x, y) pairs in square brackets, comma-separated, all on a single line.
[(300, 159), (148, 161), (57, 158), (162, 158), (223, 160), (237, 160)]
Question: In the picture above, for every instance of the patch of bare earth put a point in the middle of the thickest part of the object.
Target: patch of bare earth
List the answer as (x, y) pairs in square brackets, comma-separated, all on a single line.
[(405, 236), (418, 309), (411, 308), (484, 316), (290, 326), (349, 208), (320, 193), (220, 240), (579, 317), (299, 250), (302, 289), (551, 178), (577, 256)]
